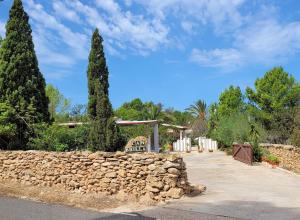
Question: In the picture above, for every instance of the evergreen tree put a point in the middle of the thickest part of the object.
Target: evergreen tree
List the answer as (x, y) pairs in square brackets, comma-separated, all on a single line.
[(22, 85), (104, 133)]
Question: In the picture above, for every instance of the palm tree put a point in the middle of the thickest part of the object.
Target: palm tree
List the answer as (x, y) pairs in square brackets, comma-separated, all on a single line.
[(198, 109)]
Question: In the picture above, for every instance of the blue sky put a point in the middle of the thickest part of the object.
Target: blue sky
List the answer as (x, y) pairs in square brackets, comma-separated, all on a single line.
[(168, 51)]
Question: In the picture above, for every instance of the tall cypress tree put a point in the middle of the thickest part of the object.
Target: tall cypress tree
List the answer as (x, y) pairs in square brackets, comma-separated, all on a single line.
[(104, 133), (21, 83)]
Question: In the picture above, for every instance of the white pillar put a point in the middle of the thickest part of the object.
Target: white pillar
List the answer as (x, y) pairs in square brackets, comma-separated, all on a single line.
[(209, 144), (181, 134), (184, 145), (181, 145), (156, 137), (149, 144), (189, 142)]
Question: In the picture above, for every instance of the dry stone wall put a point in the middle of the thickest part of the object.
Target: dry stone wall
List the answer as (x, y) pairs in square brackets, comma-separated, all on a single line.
[(288, 156), (142, 175)]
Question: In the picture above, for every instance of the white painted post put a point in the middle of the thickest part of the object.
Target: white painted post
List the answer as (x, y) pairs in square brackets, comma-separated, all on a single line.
[(156, 137), (210, 144), (203, 143), (149, 144), (189, 144)]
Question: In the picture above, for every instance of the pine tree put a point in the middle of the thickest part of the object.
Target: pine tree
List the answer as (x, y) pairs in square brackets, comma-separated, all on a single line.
[(21, 83), (104, 133)]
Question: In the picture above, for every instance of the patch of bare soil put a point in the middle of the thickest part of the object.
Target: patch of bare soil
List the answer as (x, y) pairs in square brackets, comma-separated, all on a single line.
[(55, 195)]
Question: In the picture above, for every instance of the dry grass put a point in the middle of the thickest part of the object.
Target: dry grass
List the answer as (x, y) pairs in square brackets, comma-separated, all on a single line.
[(59, 196)]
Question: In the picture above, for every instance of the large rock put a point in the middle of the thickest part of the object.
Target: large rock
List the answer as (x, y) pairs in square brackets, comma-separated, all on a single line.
[(151, 167), (147, 200), (175, 193), (174, 171), (156, 184), (111, 175), (169, 164), (152, 189)]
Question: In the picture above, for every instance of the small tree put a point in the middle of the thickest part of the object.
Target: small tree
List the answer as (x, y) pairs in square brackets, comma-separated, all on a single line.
[(57, 102), (104, 134)]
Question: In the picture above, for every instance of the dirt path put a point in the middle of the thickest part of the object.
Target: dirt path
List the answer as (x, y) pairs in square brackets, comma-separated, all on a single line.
[(237, 190)]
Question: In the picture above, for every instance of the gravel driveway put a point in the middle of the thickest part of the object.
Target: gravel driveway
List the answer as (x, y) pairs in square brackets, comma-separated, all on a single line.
[(237, 190)]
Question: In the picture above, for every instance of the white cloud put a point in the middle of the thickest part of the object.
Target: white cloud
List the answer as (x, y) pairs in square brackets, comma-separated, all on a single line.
[(218, 58), (63, 11), (268, 41), (188, 26), (139, 34), (74, 44), (258, 37), (262, 41), (46, 53), (2, 29), (216, 12)]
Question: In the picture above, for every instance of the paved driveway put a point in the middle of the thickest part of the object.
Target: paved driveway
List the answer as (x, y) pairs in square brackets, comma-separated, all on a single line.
[(237, 190), (234, 191)]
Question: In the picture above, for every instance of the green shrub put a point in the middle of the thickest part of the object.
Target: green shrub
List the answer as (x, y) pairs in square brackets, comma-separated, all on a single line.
[(295, 137), (237, 128), (59, 138), (257, 152), (273, 159)]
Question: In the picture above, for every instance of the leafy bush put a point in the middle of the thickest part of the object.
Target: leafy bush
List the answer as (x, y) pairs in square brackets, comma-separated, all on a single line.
[(257, 152), (273, 159), (295, 138), (237, 128), (269, 157), (59, 138)]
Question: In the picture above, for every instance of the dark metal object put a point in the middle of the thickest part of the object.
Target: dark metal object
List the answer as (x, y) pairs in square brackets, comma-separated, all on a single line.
[(243, 153)]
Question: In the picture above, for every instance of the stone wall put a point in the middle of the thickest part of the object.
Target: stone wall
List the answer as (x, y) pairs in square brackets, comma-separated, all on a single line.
[(141, 175), (288, 155)]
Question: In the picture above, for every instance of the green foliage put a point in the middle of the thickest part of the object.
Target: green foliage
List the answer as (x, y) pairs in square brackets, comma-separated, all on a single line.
[(199, 125), (7, 128), (137, 110), (59, 138), (295, 138), (273, 159), (58, 104), (104, 134), (213, 118), (272, 103), (230, 102), (180, 118), (198, 109), (21, 83), (237, 128)]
